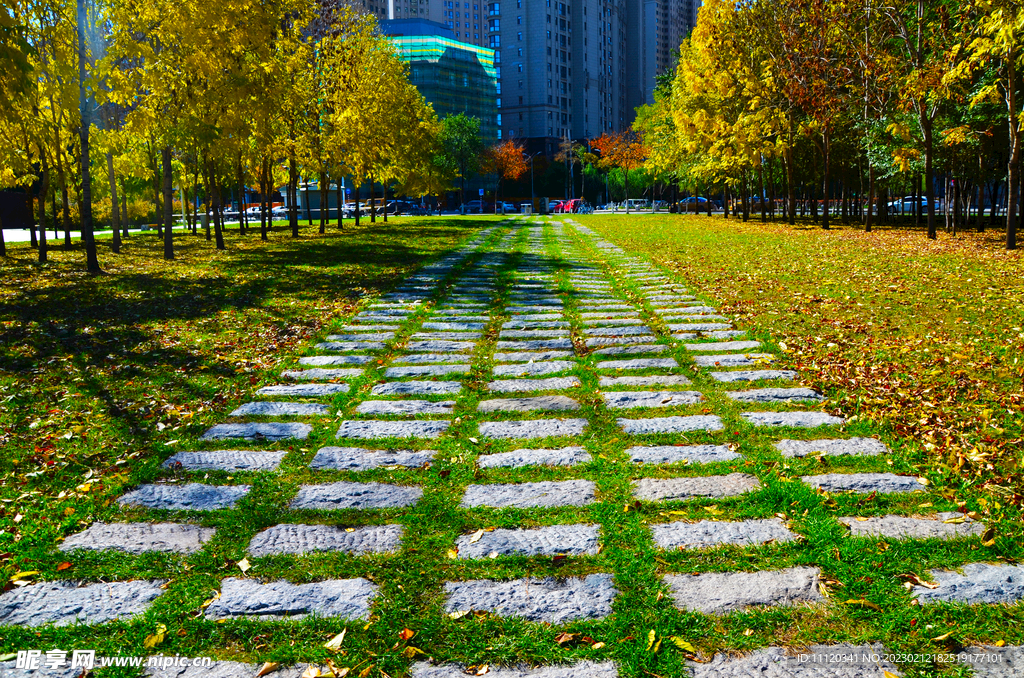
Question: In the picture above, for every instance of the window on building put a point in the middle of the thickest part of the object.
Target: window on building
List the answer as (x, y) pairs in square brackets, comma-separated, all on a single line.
[(519, 36), (519, 21), (499, 133), (520, 116), (520, 101), (520, 51), (549, 19), (520, 84), (498, 102), (519, 4), (495, 41), (494, 8), (519, 67), (499, 119), (549, 51), (493, 25)]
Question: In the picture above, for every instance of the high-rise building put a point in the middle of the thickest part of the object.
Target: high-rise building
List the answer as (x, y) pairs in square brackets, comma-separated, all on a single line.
[(656, 29), (454, 76)]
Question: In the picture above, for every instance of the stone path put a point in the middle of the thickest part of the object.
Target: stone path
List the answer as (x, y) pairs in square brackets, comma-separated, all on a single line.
[(519, 405)]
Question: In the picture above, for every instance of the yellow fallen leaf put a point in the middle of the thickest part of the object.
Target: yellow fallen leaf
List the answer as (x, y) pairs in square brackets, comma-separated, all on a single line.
[(889, 674), (268, 667), (650, 639), (989, 537), (748, 632), (683, 645), (335, 642), (862, 520), (23, 575), (311, 672), (484, 668), (365, 672), (477, 536), (597, 646), (244, 565), (156, 638), (955, 521), (458, 615), (1000, 643), (943, 636), (410, 652), (863, 603), (452, 554)]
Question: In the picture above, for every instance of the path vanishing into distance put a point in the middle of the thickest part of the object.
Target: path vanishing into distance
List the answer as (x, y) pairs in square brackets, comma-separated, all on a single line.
[(543, 427)]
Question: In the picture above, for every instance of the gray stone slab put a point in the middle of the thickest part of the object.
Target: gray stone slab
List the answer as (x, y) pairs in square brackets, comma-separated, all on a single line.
[(62, 603), (367, 328), (544, 494), (303, 390), (654, 380), (566, 456), (10, 670), (618, 331), (430, 358), (609, 314), (774, 395), (630, 399), (718, 345), (978, 583), (405, 407), (533, 428), (724, 334), (631, 349), (321, 373), (190, 497), (883, 483), (350, 345), (265, 431), (550, 600), (276, 409), (722, 592), (226, 460), (679, 489), (733, 359), (814, 661), (537, 317), (552, 403), (140, 538), (609, 322), (595, 342), (341, 598), (454, 327), (796, 419), (425, 370), (373, 336), (637, 364), (324, 360), (752, 375), (302, 539), (219, 669), (569, 540), (446, 336), (532, 334), (441, 345), (371, 429), (525, 357), (359, 459), (700, 422), (346, 495), (533, 369), (705, 533), (527, 385), (673, 454), (989, 661), (905, 527), (605, 307), (519, 324), (856, 447), (401, 388), (535, 345)]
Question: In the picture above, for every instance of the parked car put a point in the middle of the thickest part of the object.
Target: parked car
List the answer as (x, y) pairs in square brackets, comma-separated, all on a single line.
[(906, 204), (475, 206), (279, 212), (556, 206), (508, 207), (694, 203)]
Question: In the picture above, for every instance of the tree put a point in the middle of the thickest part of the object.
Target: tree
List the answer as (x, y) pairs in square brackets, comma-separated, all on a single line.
[(506, 160), (624, 150)]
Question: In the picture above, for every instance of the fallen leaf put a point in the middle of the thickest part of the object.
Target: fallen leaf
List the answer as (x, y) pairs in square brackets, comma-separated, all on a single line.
[(8, 657), (943, 636), (917, 581), (748, 632), (244, 565), (458, 615), (268, 667), (406, 634), (338, 673), (155, 639), (863, 603), (365, 672), (564, 638), (683, 645), (23, 575), (988, 538), (484, 668), (411, 652), (597, 646), (452, 554), (335, 642), (63, 566), (477, 536), (311, 672), (889, 674)]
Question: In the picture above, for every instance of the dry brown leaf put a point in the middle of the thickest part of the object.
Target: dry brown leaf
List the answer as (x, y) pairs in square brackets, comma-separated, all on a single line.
[(917, 581), (406, 634), (335, 642), (863, 603), (477, 536), (268, 667), (564, 638)]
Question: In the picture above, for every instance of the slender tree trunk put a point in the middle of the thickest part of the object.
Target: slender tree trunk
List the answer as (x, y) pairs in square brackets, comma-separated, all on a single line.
[(384, 202), (373, 202), (65, 206), (124, 212), (323, 188), (726, 196), (218, 228), (53, 210), (115, 242), (33, 239), (240, 180), (3, 245), (760, 196), (1013, 165), (929, 176), (293, 187), (44, 187), (309, 213), (263, 199), (340, 199), (165, 155), (869, 212), (360, 186), (91, 261), (625, 183), (980, 196)]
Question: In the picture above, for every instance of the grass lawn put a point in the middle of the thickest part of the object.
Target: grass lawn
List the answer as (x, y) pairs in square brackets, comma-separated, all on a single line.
[(101, 379)]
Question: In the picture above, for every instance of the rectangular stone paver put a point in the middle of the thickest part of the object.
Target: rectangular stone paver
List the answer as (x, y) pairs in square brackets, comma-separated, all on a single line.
[(371, 429), (359, 459), (553, 403), (454, 327), (275, 409), (733, 359), (62, 603), (430, 358), (583, 669), (673, 454), (346, 495), (533, 334), (679, 489), (566, 456), (405, 407), (700, 422), (979, 583), (264, 431), (533, 369), (721, 592), (226, 460), (526, 385), (316, 373), (705, 533), (140, 538), (324, 360), (447, 336), (400, 388), (796, 419), (814, 661), (774, 395), (342, 598), (905, 527), (528, 356), (720, 345), (535, 345), (883, 483), (632, 399), (653, 380), (190, 497), (431, 345), (570, 540), (544, 494), (217, 669), (421, 370), (832, 447), (550, 600), (374, 336), (301, 539), (618, 331), (533, 428), (752, 375), (350, 346), (631, 349), (303, 390), (637, 364)]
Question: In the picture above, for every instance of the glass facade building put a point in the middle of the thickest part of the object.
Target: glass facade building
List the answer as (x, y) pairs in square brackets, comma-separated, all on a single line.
[(456, 77)]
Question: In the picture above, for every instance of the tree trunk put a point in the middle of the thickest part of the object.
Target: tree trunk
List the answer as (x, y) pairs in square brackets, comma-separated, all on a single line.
[(309, 213), (384, 202), (869, 212), (625, 183), (218, 228), (373, 203), (240, 180), (760, 196), (929, 176), (726, 195), (44, 188), (340, 199), (92, 263), (263, 199), (115, 242), (293, 187), (165, 156), (1013, 165), (323, 202), (980, 195), (3, 245), (124, 212), (357, 210)]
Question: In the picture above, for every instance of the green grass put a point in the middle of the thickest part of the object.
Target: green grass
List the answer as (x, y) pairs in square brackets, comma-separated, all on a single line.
[(191, 340)]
